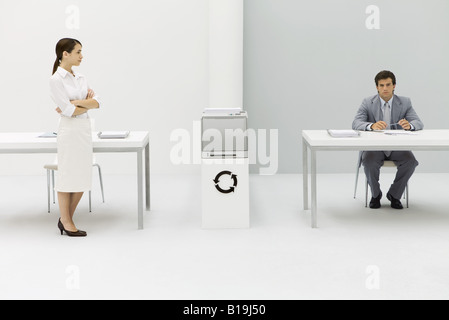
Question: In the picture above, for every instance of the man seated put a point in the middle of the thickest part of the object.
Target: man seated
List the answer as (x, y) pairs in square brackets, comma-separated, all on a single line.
[(386, 111)]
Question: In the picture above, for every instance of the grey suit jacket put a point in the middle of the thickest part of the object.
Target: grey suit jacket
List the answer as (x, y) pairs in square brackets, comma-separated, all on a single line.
[(370, 112)]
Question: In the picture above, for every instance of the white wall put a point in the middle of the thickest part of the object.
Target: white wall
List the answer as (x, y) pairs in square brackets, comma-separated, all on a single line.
[(157, 64), (309, 64), (147, 59), (225, 53)]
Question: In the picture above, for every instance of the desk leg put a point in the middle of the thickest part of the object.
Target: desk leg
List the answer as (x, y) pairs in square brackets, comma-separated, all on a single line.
[(147, 176), (305, 176), (313, 187), (139, 190)]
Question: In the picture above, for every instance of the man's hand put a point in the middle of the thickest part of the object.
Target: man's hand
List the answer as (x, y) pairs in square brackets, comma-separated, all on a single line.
[(380, 125), (404, 124), (58, 110)]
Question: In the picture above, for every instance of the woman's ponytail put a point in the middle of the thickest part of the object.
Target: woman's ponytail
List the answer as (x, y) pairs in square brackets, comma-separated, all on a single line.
[(56, 65)]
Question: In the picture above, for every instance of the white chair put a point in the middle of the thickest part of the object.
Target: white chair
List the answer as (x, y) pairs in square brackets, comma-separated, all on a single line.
[(388, 164), (51, 168)]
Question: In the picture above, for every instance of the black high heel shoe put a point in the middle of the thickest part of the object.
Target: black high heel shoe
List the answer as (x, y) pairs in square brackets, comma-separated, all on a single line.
[(78, 233)]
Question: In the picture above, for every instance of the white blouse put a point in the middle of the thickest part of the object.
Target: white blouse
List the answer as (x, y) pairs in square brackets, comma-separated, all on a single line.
[(65, 87)]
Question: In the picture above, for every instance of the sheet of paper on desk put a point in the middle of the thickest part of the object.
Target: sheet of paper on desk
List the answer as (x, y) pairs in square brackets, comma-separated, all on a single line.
[(343, 133), (113, 134), (400, 132), (48, 135)]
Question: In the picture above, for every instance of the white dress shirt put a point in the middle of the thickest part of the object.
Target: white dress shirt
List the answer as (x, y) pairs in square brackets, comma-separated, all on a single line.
[(65, 87)]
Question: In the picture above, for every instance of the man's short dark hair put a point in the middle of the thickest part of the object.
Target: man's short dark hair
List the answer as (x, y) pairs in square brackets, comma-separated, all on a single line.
[(385, 74)]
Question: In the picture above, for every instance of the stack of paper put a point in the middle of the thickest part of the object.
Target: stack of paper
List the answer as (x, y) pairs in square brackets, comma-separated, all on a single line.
[(343, 133), (48, 135), (113, 134), (223, 111)]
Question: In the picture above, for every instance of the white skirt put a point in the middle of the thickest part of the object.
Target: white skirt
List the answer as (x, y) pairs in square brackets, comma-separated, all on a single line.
[(75, 156)]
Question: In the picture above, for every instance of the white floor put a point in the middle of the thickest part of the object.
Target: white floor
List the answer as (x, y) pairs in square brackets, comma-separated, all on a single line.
[(356, 253)]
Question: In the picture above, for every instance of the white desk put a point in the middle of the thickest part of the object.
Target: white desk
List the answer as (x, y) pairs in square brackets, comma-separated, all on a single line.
[(137, 141), (320, 140)]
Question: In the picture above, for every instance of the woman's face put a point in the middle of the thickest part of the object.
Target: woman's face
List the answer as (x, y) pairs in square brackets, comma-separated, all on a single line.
[(75, 57)]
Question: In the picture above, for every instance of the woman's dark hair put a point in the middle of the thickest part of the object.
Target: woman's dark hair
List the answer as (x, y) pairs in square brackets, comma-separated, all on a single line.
[(385, 74), (66, 44)]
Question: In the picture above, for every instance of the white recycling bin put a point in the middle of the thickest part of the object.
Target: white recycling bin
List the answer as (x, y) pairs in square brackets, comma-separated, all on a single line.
[(225, 170)]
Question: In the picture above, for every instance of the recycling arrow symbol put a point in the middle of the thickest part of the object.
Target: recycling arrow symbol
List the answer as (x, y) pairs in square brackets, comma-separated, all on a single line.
[(217, 181)]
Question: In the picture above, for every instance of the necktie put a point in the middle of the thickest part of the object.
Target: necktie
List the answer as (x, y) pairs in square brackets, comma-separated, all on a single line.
[(387, 119), (387, 114)]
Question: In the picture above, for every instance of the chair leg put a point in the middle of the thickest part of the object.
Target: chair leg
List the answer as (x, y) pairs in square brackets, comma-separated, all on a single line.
[(90, 201), (356, 180), (48, 190), (101, 181), (366, 193), (406, 191), (53, 184), (359, 163)]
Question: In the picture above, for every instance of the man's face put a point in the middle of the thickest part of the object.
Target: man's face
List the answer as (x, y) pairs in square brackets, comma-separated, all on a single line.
[(385, 88)]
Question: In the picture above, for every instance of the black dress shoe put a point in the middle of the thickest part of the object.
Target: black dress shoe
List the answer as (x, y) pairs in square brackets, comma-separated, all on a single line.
[(395, 203), (375, 202), (78, 233)]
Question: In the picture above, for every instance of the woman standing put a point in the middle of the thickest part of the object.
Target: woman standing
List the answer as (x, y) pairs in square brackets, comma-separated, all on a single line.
[(73, 98)]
